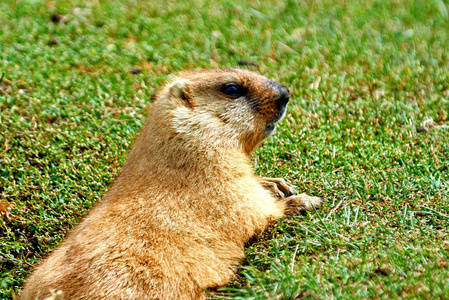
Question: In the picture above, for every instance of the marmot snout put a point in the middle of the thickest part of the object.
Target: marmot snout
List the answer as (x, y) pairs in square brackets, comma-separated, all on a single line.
[(175, 221), (281, 104)]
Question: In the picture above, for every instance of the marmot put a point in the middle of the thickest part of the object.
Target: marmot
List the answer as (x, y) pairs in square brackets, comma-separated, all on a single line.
[(175, 221)]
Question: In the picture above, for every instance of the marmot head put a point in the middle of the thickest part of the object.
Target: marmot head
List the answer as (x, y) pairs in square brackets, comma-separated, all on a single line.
[(231, 105)]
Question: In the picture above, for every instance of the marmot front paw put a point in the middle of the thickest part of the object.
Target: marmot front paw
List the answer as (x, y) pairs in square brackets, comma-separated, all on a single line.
[(296, 204), (278, 187)]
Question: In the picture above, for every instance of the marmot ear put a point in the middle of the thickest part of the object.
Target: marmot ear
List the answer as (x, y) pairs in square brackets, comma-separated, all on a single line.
[(181, 90)]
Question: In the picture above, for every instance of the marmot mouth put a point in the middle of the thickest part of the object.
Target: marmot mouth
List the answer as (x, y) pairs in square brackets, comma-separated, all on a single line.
[(281, 114), (272, 126), (269, 129)]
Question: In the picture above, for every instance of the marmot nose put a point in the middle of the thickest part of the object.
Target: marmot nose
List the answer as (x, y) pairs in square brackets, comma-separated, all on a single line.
[(282, 91), (284, 95)]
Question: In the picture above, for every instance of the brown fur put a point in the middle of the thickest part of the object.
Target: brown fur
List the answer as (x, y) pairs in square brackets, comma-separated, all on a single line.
[(175, 221)]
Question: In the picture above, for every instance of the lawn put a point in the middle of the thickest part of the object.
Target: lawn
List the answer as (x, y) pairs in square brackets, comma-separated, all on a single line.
[(367, 130)]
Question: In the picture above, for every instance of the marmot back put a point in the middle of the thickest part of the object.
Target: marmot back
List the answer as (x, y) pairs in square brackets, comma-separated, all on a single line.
[(175, 221)]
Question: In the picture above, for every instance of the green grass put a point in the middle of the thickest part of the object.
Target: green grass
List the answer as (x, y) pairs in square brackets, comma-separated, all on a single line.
[(363, 76)]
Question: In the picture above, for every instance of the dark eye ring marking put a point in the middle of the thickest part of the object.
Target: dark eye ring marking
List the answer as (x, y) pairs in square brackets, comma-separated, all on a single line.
[(233, 90)]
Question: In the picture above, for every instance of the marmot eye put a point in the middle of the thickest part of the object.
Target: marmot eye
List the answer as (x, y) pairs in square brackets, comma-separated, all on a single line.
[(233, 90)]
